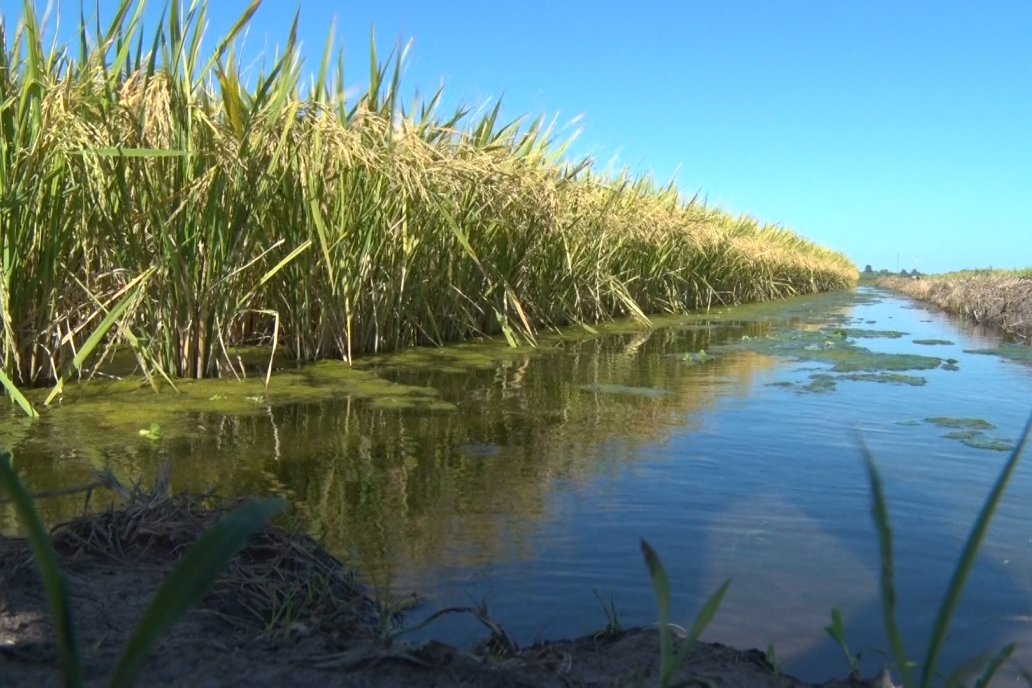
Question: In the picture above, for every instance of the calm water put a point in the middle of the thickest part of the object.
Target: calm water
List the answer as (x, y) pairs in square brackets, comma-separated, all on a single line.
[(532, 485)]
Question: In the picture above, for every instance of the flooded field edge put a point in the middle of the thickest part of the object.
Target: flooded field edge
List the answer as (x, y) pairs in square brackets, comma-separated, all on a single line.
[(286, 611), (398, 385)]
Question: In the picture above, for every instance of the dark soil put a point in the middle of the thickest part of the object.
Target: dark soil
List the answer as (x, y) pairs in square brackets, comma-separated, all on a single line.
[(240, 634)]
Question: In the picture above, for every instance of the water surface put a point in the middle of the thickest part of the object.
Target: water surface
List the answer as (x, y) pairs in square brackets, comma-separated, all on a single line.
[(526, 478)]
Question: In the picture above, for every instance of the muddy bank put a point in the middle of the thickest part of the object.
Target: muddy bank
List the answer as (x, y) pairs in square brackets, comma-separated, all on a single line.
[(285, 612), (1000, 300)]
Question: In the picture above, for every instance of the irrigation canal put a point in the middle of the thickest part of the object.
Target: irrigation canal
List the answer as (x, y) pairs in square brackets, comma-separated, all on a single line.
[(731, 440)]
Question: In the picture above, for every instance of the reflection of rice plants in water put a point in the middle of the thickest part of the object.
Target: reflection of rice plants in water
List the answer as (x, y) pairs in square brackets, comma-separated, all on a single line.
[(198, 569), (650, 392), (368, 459)]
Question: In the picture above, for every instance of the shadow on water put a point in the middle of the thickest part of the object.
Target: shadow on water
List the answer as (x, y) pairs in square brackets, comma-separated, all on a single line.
[(526, 476)]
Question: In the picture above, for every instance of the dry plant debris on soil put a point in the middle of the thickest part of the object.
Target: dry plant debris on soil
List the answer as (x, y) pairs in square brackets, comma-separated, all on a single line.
[(999, 299)]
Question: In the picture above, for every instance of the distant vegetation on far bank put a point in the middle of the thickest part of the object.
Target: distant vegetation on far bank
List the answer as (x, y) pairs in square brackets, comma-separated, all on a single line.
[(1001, 298), (869, 273), (157, 199)]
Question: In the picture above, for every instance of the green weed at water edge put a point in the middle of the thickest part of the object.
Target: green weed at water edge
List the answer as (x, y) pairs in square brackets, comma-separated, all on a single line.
[(669, 659), (837, 630), (771, 655), (609, 609)]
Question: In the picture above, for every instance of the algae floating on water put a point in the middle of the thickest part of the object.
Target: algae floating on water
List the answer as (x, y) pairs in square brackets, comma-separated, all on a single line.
[(966, 423), (886, 378), (819, 384), (848, 358), (1013, 352), (857, 333), (969, 431), (695, 358), (979, 440), (830, 346), (934, 342), (824, 382), (123, 407)]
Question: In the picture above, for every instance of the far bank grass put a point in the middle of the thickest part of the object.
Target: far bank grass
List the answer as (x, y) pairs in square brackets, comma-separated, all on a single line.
[(1001, 298), (164, 199)]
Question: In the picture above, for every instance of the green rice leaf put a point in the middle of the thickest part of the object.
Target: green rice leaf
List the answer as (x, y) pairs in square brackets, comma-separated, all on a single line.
[(16, 395), (702, 620), (994, 665), (229, 37), (880, 513)]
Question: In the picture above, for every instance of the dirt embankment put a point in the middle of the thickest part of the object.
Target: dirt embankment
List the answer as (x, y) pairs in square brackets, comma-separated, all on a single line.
[(287, 613), (991, 299)]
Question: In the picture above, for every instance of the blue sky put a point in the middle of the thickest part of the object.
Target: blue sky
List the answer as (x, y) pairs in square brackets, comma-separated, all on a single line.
[(891, 131)]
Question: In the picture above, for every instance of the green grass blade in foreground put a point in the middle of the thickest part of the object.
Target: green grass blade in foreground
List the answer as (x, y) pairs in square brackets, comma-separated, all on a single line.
[(190, 579), (880, 513), (46, 561), (668, 661), (661, 586), (951, 600)]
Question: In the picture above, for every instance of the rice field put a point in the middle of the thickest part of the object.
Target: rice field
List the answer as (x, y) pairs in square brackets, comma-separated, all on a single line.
[(159, 200)]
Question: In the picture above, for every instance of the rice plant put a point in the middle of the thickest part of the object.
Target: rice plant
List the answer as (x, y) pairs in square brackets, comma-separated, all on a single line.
[(160, 200)]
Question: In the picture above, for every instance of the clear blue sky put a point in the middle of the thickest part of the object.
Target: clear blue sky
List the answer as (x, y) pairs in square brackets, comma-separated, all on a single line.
[(877, 128)]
